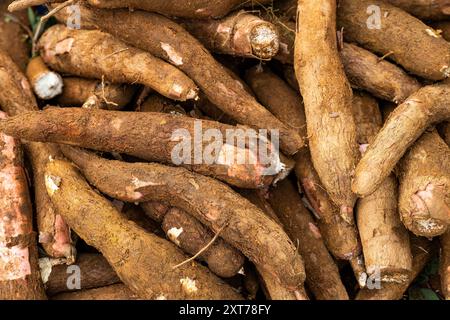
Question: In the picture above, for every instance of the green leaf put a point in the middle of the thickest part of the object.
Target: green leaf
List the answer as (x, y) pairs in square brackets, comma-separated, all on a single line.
[(429, 294)]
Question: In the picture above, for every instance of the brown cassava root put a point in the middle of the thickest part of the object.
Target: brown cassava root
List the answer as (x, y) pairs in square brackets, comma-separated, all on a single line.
[(129, 249), (19, 271), (404, 126), (445, 265), (198, 9), (425, 9), (391, 30), (340, 237), (94, 272), (17, 98), (381, 78), (322, 275), (239, 34), (113, 292), (94, 54), (327, 97), (13, 33), (424, 196), (422, 251), (191, 236), (171, 42), (211, 202), (91, 93), (149, 136), (384, 239)]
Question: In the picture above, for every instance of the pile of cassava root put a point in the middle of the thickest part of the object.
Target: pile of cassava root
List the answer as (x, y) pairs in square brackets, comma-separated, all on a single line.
[(97, 96)]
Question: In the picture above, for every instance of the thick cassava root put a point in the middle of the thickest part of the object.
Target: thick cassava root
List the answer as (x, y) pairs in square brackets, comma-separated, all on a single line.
[(242, 224), (240, 34), (385, 241), (94, 272), (19, 271), (94, 54), (90, 93), (425, 9), (191, 236), (389, 31), (131, 252), (18, 98), (424, 198), (328, 98), (199, 9), (141, 135), (404, 126), (171, 42), (322, 275)]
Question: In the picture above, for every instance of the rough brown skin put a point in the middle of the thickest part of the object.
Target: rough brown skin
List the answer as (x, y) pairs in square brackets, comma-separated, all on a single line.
[(24, 4), (222, 259), (155, 210), (95, 272), (422, 251), (385, 241), (169, 41), (340, 237), (209, 201), (93, 54), (239, 34), (136, 214), (271, 287), (198, 9), (428, 55), (425, 9), (148, 136), (404, 126), (158, 103), (19, 271), (445, 265), (144, 262), (78, 91), (13, 36), (322, 274), (328, 98), (18, 99), (381, 78), (112, 292), (424, 175)]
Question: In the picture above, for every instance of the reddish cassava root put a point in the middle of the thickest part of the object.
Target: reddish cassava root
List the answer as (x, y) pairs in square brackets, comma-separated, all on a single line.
[(19, 271), (95, 54), (97, 222), (18, 98), (328, 98)]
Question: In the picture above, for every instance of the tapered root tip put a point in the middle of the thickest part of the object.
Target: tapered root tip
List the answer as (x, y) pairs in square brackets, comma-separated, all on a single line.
[(48, 86), (265, 41)]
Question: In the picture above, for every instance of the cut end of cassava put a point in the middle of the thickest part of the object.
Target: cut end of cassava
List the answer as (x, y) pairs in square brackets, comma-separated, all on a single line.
[(265, 41), (48, 85)]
